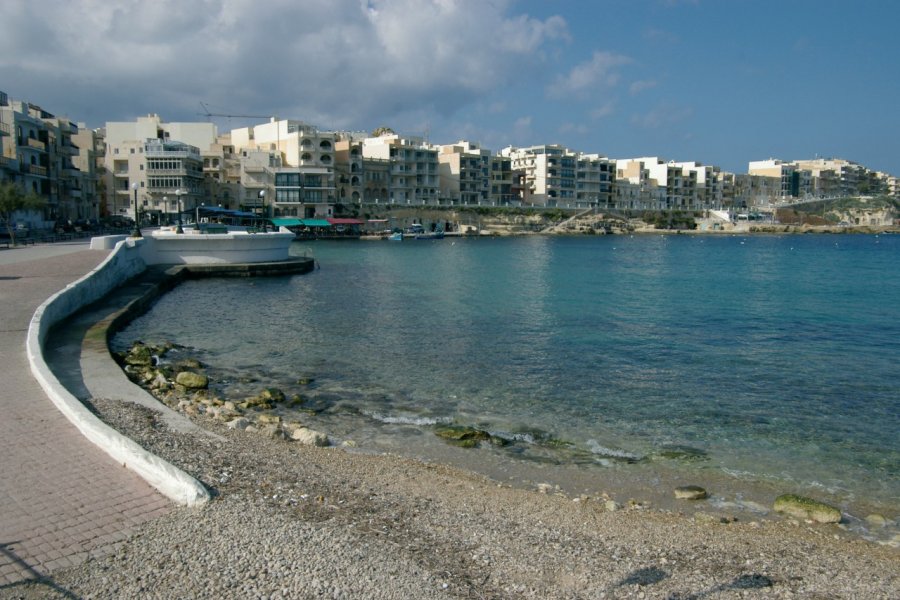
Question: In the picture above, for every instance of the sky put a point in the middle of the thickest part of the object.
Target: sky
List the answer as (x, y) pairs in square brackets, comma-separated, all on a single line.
[(721, 82)]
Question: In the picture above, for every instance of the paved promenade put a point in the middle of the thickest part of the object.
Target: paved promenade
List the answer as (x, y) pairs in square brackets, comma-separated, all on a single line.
[(62, 499)]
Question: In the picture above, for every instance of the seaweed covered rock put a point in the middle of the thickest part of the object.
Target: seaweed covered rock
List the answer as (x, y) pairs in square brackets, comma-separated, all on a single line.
[(690, 492), (807, 508), (139, 355), (461, 435), (191, 380)]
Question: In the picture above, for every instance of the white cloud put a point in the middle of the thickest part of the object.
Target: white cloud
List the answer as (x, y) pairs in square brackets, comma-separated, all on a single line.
[(661, 115), (639, 86), (602, 111), (601, 72), (338, 63)]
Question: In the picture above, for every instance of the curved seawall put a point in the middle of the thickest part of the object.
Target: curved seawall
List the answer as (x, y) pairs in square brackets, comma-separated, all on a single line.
[(123, 264)]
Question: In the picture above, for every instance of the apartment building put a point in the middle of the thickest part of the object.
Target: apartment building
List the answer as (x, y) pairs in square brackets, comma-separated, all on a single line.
[(89, 162), (303, 182), (38, 153), (704, 185), (9, 166), (502, 178), (595, 180), (413, 168), (834, 177), (548, 174), (464, 171), (155, 164)]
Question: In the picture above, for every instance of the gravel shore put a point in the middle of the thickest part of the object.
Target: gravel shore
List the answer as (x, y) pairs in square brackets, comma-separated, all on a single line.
[(294, 521)]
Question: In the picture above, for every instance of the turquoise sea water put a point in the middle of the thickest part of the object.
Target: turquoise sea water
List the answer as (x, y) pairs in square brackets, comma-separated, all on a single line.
[(768, 361)]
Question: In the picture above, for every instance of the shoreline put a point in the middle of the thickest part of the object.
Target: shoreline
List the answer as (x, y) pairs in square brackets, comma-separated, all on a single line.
[(288, 520), (646, 481)]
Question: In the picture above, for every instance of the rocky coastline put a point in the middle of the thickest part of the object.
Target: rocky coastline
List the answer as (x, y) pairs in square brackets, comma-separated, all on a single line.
[(295, 517)]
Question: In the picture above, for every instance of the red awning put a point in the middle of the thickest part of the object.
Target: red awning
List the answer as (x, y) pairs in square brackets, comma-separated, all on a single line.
[(344, 221)]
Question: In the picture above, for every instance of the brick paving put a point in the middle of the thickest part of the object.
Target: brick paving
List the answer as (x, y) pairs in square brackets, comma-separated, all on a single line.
[(62, 499)]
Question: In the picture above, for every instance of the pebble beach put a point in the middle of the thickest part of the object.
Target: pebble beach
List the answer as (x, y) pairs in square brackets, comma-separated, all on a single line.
[(294, 521)]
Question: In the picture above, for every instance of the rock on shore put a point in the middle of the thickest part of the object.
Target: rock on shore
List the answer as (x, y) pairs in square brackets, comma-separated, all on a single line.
[(294, 521)]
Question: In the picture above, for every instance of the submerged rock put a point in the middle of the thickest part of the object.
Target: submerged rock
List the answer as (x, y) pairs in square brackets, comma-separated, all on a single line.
[(690, 492), (807, 508), (461, 435), (683, 453)]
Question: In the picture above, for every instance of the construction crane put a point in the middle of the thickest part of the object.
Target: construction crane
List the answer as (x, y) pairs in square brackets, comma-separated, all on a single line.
[(209, 115)]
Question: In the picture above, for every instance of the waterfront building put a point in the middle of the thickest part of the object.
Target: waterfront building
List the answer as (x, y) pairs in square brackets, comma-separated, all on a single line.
[(28, 161), (595, 180), (464, 174), (548, 174), (835, 177), (789, 180), (162, 159), (413, 168), (38, 153), (348, 169), (9, 166), (704, 189), (303, 182), (502, 176), (257, 179), (222, 174), (661, 185), (89, 162)]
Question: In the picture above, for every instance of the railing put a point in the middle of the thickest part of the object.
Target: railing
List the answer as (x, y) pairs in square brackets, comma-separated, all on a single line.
[(33, 143), (34, 170), (5, 129)]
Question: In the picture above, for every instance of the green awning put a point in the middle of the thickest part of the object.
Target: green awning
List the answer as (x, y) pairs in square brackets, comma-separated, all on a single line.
[(316, 223), (286, 222)]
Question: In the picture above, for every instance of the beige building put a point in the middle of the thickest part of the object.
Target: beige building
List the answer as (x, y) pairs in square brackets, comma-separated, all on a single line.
[(155, 163), (38, 153), (303, 182), (502, 177), (595, 181), (464, 174), (413, 168)]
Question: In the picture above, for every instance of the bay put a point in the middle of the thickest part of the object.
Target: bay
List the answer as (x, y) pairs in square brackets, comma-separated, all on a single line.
[(754, 364)]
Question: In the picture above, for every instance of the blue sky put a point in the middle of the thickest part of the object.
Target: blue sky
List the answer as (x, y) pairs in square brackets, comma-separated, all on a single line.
[(722, 82)]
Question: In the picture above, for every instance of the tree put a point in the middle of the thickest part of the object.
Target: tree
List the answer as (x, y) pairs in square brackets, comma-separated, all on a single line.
[(13, 199), (380, 131)]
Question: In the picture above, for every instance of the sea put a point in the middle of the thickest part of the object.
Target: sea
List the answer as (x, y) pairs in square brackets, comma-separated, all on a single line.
[(608, 366)]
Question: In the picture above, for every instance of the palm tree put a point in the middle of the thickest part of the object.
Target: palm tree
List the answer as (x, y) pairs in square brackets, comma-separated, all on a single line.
[(13, 199)]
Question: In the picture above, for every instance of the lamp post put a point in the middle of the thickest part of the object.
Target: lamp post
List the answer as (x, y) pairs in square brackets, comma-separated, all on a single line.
[(136, 233), (197, 215), (178, 193), (262, 199), (165, 209)]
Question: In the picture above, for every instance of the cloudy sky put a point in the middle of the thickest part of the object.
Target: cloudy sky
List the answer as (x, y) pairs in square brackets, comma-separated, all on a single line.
[(722, 82)]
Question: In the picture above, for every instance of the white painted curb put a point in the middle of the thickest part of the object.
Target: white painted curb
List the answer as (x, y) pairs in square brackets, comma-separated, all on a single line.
[(121, 264)]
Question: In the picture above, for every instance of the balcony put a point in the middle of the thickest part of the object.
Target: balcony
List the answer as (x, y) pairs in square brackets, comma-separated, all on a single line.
[(5, 129), (33, 170), (69, 149), (36, 144)]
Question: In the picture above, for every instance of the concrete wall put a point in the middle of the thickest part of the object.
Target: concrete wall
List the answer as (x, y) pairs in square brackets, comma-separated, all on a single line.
[(224, 248), (122, 264)]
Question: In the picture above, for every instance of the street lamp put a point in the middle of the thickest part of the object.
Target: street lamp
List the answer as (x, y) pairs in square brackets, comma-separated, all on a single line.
[(262, 199), (136, 233), (178, 193), (165, 209)]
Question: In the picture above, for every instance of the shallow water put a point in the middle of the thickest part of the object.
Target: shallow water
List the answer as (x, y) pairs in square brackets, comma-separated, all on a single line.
[(757, 360)]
